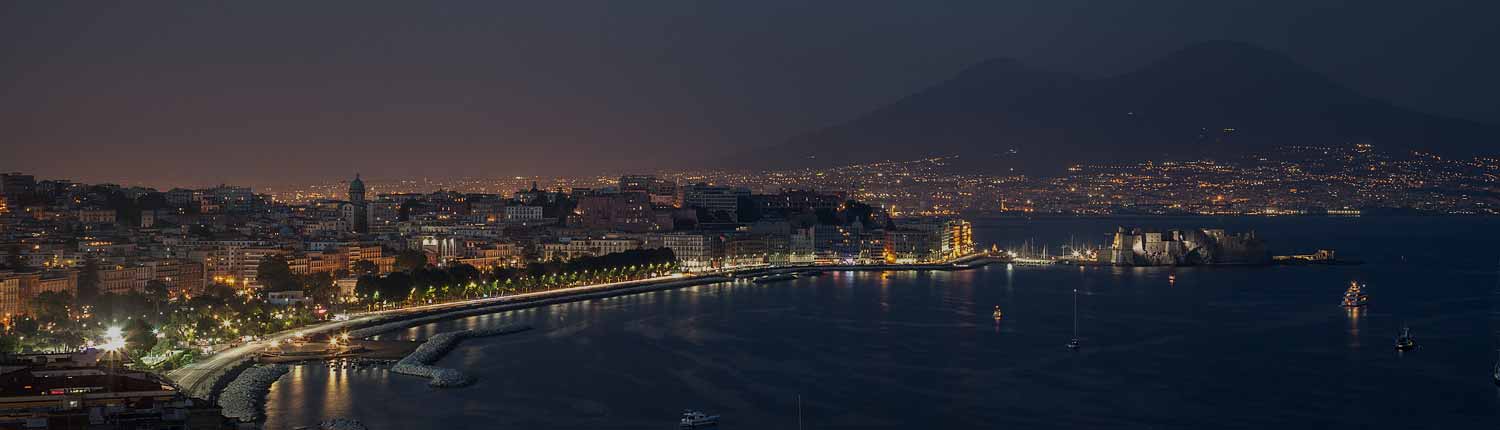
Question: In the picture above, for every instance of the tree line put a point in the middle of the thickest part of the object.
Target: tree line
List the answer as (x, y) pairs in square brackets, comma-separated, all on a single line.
[(462, 281)]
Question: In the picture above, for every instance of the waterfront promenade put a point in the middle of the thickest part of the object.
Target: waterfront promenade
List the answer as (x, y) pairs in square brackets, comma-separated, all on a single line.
[(198, 378), (191, 378)]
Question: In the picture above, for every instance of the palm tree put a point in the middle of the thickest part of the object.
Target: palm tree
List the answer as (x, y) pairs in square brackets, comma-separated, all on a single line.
[(157, 291)]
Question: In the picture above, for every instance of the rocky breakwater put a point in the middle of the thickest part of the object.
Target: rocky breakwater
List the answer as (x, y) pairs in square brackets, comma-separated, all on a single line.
[(419, 362), (341, 424), (218, 379), (244, 398)]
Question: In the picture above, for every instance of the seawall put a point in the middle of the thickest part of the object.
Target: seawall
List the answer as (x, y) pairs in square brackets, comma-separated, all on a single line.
[(244, 399), (419, 362)]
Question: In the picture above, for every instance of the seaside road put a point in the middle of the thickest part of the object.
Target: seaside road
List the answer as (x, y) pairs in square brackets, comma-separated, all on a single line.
[(189, 377)]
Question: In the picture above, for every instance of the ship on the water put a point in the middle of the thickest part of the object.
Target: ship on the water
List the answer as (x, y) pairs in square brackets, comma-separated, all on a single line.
[(1354, 296)]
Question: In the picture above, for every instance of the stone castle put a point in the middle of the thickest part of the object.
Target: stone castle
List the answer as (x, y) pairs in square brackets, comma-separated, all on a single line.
[(1183, 248)]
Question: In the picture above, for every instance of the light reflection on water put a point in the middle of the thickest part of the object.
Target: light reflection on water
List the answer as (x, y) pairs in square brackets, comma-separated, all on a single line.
[(1244, 348)]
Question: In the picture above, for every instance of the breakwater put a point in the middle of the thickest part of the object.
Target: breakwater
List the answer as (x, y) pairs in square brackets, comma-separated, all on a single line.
[(244, 398), (341, 424), (419, 362)]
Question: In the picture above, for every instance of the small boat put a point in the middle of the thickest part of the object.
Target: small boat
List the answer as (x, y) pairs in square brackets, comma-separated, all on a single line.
[(998, 314), (1495, 375), (1172, 278), (697, 419), (1355, 296), (1406, 342)]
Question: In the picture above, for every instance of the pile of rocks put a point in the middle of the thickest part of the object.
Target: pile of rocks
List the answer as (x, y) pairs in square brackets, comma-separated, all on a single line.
[(418, 363), (244, 398), (219, 378), (341, 424)]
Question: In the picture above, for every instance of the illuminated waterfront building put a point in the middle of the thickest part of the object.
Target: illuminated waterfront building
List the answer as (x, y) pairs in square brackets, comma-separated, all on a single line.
[(568, 249)]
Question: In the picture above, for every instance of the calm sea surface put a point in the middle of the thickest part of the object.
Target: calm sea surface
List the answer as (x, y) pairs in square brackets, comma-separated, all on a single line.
[(1220, 348)]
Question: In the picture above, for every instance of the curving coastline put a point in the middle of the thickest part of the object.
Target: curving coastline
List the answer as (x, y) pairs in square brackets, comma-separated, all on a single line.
[(419, 362), (244, 398), (249, 403)]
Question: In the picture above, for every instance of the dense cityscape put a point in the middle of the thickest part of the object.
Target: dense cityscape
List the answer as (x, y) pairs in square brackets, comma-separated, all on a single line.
[(166, 277), (1338, 180), (748, 215), (162, 278)]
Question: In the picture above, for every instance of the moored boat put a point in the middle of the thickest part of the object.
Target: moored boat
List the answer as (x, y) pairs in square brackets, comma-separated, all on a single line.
[(697, 419), (1406, 342), (997, 312), (1074, 344), (1495, 374)]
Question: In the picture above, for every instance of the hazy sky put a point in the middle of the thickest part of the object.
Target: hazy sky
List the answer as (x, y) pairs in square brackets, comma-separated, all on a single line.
[(256, 92)]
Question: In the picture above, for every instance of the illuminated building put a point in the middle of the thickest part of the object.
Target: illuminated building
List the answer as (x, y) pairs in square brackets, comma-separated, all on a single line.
[(55, 393), (95, 216), (523, 213), (568, 249), (694, 252), (18, 288), (660, 192)]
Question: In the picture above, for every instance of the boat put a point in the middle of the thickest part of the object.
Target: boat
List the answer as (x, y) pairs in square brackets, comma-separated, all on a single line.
[(1355, 296), (998, 314), (1074, 344), (1172, 278), (1405, 342), (1495, 374), (697, 419)]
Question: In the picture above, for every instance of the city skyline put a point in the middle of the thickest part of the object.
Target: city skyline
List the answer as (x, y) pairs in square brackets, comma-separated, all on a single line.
[(1060, 214)]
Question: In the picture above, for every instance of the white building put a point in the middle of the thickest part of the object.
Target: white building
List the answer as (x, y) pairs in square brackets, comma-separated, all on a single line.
[(567, 249), (523, 213), (694, 252)]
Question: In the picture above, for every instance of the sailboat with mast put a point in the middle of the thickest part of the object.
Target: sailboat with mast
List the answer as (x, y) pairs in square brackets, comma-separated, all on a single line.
[(1074, 344), (1495, 374), (1406, 342)]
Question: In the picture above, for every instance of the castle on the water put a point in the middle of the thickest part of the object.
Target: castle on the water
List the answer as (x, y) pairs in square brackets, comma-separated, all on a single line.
[(1183, 248)]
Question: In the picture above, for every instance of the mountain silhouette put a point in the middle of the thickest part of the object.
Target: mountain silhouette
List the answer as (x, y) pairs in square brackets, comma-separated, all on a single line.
[(1212, 99)]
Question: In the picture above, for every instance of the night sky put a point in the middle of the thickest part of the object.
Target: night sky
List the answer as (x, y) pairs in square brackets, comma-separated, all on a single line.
[(265, 92)]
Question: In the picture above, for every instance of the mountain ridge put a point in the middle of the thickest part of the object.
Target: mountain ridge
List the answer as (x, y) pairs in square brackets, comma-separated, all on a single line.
[(1210, 99)]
